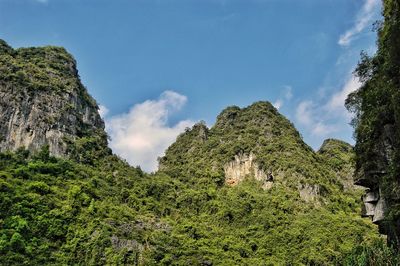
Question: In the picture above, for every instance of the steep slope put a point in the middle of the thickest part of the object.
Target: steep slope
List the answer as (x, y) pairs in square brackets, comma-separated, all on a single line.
[(248, 191), (42, 101), (377, 125), (258, 141), (339, 156), (299, 202)]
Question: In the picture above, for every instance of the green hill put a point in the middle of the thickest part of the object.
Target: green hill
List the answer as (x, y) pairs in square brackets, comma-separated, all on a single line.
[(247, 191)]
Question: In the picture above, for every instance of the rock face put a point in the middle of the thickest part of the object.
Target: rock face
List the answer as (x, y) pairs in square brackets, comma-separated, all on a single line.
[(42, 101), (309, 193), (371, 174), (244, 166), (256, 142)]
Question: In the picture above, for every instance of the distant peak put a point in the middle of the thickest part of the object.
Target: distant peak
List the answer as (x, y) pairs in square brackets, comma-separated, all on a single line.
[(334, 144), (252, 112), (5, 48), (262, 105)]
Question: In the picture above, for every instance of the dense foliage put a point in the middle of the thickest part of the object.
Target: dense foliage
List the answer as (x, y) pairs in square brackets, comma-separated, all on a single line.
[(201, 153), (50, 69), (377, 117), (376, 253), (56, 211), (38, 68), (92, 208), (44, 102)]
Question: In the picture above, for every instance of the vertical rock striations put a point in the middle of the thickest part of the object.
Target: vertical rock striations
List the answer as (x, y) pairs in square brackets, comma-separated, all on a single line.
[(43, 102)]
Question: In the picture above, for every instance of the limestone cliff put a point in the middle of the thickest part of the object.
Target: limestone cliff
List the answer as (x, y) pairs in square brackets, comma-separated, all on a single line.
[(257, 142), (42, 100), (377, 124), (244, 166)]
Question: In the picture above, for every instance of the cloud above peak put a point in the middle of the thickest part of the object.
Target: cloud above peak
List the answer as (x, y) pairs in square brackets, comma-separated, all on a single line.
[(337, 101), (322, 118), (143, 133), (285, 96), (363, 19)]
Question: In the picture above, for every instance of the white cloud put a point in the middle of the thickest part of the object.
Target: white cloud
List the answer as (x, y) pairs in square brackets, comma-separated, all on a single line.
[(321, 129), (304, 113), (364, 18), (308, 114), (286, 95), (42, 1), (335, 104), (277, 104), (143, 134), (103, 111), (326, 117)]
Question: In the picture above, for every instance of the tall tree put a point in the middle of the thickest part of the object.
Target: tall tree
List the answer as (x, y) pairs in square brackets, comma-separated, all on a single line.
[(376, 105)]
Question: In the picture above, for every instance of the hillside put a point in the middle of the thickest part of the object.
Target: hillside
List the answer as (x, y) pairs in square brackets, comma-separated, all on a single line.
[(377, 124), (43, 102), (247, 191), (258, 141)]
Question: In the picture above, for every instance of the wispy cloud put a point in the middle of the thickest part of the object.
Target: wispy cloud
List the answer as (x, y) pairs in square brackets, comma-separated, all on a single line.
[(278, 104), (143, 134), (286, 95), (335, 104), (363, 19), (304, 113), (308, 114), (42, 1), (322, 118), (103, 111)]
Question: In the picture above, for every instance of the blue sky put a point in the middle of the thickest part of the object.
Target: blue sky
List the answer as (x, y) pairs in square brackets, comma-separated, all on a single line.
[(158, 66)]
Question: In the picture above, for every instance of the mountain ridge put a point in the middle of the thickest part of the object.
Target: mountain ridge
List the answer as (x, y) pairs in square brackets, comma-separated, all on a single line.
[(256, 140), (247, 191), (43, 102)]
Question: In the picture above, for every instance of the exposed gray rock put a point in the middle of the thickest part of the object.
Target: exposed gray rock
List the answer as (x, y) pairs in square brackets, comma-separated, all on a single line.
[(31, 117), (245, 166), (371, 196), (368, 209), (119, 243), (308, 193), (374, 201), (379, 212)]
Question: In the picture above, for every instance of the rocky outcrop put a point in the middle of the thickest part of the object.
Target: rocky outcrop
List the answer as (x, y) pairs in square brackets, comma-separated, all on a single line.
[(371, 174), (42, 101), (309, 193), (246, 166), (258, 142), (374, 206)]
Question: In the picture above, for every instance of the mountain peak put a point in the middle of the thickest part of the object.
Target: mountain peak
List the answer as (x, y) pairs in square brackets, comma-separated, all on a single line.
[(43, 101), (258, 142), (5, 48)]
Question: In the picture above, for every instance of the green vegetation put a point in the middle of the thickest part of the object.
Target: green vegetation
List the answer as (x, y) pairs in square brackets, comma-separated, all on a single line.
[(49, 68), (92, 208), (200, 154), (56, 211), (374, 254), (377, 117), (258, 128), (43, 96)]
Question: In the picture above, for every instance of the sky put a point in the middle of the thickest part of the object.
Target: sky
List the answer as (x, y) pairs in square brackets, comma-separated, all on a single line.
[(158, 66)]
